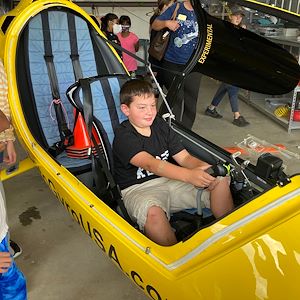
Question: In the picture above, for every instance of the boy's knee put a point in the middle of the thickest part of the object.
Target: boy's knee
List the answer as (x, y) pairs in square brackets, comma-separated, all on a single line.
[(223, 182), (155, 213)]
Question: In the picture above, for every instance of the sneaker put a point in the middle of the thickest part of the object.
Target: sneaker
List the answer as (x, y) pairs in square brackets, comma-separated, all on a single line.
[(15, 249), (240, 122), (213, 113)]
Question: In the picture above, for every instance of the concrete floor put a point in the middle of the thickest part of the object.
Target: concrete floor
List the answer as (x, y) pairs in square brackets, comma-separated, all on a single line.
[(60, 261)]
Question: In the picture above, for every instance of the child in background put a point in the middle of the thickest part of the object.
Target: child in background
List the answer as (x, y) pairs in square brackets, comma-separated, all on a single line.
[(130, 42)]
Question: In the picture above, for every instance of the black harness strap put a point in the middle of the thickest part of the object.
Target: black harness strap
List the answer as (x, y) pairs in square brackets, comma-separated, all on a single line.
[(109, 98), (74, 47), (88, 118), (66, 135), (118, 47), (87, 104)]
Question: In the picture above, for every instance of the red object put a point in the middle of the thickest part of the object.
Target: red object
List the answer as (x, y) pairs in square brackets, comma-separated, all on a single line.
[(296, 116), (244, 151)]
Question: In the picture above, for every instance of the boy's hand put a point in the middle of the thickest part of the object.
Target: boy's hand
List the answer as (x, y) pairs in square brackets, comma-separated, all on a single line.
[(5, 261), (200, 178)]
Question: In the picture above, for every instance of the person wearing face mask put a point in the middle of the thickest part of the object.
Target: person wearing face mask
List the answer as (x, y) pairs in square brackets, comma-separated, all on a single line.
[(130, 42), (111, 27)]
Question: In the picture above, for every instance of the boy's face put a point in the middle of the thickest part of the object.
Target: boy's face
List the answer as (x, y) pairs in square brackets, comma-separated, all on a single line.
[(142, 111), (236, 19)]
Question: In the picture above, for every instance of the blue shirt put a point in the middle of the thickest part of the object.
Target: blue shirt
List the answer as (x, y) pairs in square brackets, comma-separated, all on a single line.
[(184, 40)]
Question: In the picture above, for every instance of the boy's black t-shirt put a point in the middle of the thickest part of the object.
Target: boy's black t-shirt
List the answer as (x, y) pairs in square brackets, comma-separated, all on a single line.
[(162, 144)]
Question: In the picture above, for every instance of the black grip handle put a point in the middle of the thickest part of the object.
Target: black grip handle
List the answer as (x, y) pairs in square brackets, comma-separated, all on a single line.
[(217, 170)]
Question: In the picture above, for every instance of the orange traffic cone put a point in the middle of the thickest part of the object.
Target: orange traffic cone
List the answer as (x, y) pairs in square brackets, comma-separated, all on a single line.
[(83, 145)]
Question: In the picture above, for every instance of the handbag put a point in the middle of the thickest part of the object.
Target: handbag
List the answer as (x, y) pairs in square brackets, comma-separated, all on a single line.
[(160, 42)]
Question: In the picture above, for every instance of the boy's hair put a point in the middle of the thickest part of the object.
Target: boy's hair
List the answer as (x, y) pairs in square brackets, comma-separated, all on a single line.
[(125, 19), (135, 87)]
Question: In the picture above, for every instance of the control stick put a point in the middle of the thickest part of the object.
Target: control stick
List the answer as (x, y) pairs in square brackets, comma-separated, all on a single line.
[(219, 169)]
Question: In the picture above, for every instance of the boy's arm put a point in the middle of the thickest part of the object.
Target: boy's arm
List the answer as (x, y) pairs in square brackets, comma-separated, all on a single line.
[(196, 176), (185, 159)]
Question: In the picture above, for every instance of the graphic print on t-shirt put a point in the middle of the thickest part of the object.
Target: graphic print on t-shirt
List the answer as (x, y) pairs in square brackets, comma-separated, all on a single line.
[(185, 38), (142, 173)]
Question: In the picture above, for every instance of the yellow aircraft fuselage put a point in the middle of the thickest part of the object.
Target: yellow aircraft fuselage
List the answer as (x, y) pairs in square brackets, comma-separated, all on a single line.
[(253, 253)]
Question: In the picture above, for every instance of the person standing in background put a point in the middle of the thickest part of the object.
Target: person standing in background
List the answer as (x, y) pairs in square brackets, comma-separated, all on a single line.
[(130, 42), (182, 44), (111, 27), (12, 281), (155, 64), (235, 15)]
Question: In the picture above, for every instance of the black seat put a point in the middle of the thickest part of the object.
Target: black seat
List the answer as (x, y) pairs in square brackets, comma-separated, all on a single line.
[(97, 99)]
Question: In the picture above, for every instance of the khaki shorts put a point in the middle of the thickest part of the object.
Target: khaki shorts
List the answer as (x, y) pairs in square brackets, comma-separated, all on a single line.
[(170, 195)]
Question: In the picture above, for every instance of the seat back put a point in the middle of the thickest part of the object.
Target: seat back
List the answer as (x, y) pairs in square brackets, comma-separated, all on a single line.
[(76, 51)]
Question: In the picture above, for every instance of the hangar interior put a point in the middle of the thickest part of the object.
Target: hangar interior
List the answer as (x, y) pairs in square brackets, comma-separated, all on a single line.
[(59, 259)]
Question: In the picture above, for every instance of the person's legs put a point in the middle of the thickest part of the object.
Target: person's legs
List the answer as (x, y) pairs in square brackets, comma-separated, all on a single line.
[(233, 98), (15, 249), (211, 109), (238, 120), (149, 205), (220, 93), (182, 194), (12, 283), (220, 198), (166, 75), (157, 227), (191, 90), (168, 78)]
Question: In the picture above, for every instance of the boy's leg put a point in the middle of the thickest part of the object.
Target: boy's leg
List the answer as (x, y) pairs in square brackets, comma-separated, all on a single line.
[(220, 198), (12, 283), (149, 204), (157, 227)]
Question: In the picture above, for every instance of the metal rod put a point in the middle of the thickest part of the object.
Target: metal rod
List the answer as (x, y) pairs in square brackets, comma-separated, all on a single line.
[(109, 4), (115, 4)]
